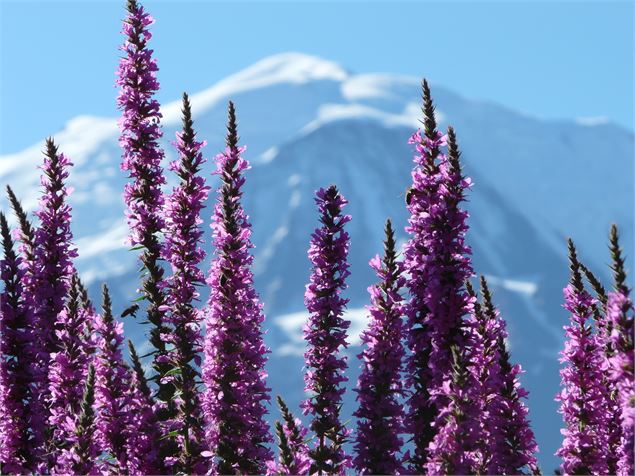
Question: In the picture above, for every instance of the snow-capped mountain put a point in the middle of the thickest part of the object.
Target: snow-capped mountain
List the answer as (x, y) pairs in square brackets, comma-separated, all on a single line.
[(308, 123)]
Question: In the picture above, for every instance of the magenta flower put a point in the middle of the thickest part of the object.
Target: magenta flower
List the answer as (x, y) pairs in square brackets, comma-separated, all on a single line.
[(380, 415), (454, 447), (49, 282), (293, 455), (514, 447), (620, 312), (235, 354), (16, 361), (142, 155), (111, 383), (182, 250), (82, 455), (325, 333), (583, 399), (67, 372), (143, 428), (437, 261)]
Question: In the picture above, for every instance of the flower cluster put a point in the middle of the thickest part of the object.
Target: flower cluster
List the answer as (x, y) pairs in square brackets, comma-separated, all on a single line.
[(437, 260), (380, 414), (437, 393), (325, 333), (235, 355), (182, 250), (583, 398)]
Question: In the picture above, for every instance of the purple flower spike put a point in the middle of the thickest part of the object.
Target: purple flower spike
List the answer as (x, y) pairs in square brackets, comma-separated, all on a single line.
[(325, 333), (235, 355), (514, 445), (81, 455), (144, 434), (50, 281), (182, 250), (142, 155), (111, 384), (16, 361), (583, 399), (438, 263), (294, 452), (67, 372), (380, 414), (453, 449), (620, 313)]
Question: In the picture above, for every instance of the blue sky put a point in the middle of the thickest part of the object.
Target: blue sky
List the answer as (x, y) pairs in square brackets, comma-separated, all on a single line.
[(548, 59)]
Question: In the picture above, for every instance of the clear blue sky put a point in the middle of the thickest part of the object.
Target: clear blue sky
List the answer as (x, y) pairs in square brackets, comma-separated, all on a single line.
[(549, 59)]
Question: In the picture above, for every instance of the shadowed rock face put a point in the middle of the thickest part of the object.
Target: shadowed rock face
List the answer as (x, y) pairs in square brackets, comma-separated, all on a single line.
[(535, 183)]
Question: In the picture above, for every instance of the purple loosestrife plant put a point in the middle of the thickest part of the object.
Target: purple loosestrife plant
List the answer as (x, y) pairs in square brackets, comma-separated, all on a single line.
[(437, 261), (604, 328), (454, 448), (144, 432), (67, 371), (35, 409), (182, 250), (235, 355), (583, 398), (16, 361), (380, 415), (111, 383), (82, 455), (485, 373), (293, 455), (142, 155), (325, 334), (421, 198), (620, 313), (517, 446), (52, 273)]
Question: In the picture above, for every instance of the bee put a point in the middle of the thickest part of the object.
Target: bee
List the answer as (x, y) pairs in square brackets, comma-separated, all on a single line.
[(131, 311), (409, 193)]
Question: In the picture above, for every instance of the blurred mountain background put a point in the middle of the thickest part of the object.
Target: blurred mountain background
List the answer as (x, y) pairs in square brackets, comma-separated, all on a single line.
[(309, 122)]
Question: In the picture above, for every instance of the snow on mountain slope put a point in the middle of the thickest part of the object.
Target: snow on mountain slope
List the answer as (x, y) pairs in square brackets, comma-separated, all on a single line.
[(308, 123)]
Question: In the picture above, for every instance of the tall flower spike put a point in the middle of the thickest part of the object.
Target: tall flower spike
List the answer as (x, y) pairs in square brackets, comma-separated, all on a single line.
[(67, 371), (485, 374), (325, 333), (620, 313), (380, 415), (81, 457), (181, 249), (142, 155), (583, 399), (453, 448), (51, 279), (16, 361), (144, 431), (235, 354), (293, 456), (111, 383), (437, 260), (517, 453)]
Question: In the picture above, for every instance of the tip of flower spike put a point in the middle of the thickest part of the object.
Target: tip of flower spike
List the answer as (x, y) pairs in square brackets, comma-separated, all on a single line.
[(487, 297), (188, 124), (51, 148), (454, 155), (7, 242), (106, 303), (595, 284), (429, 121), (232, 127), (132, 6), (619, 272), (574, 266)]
